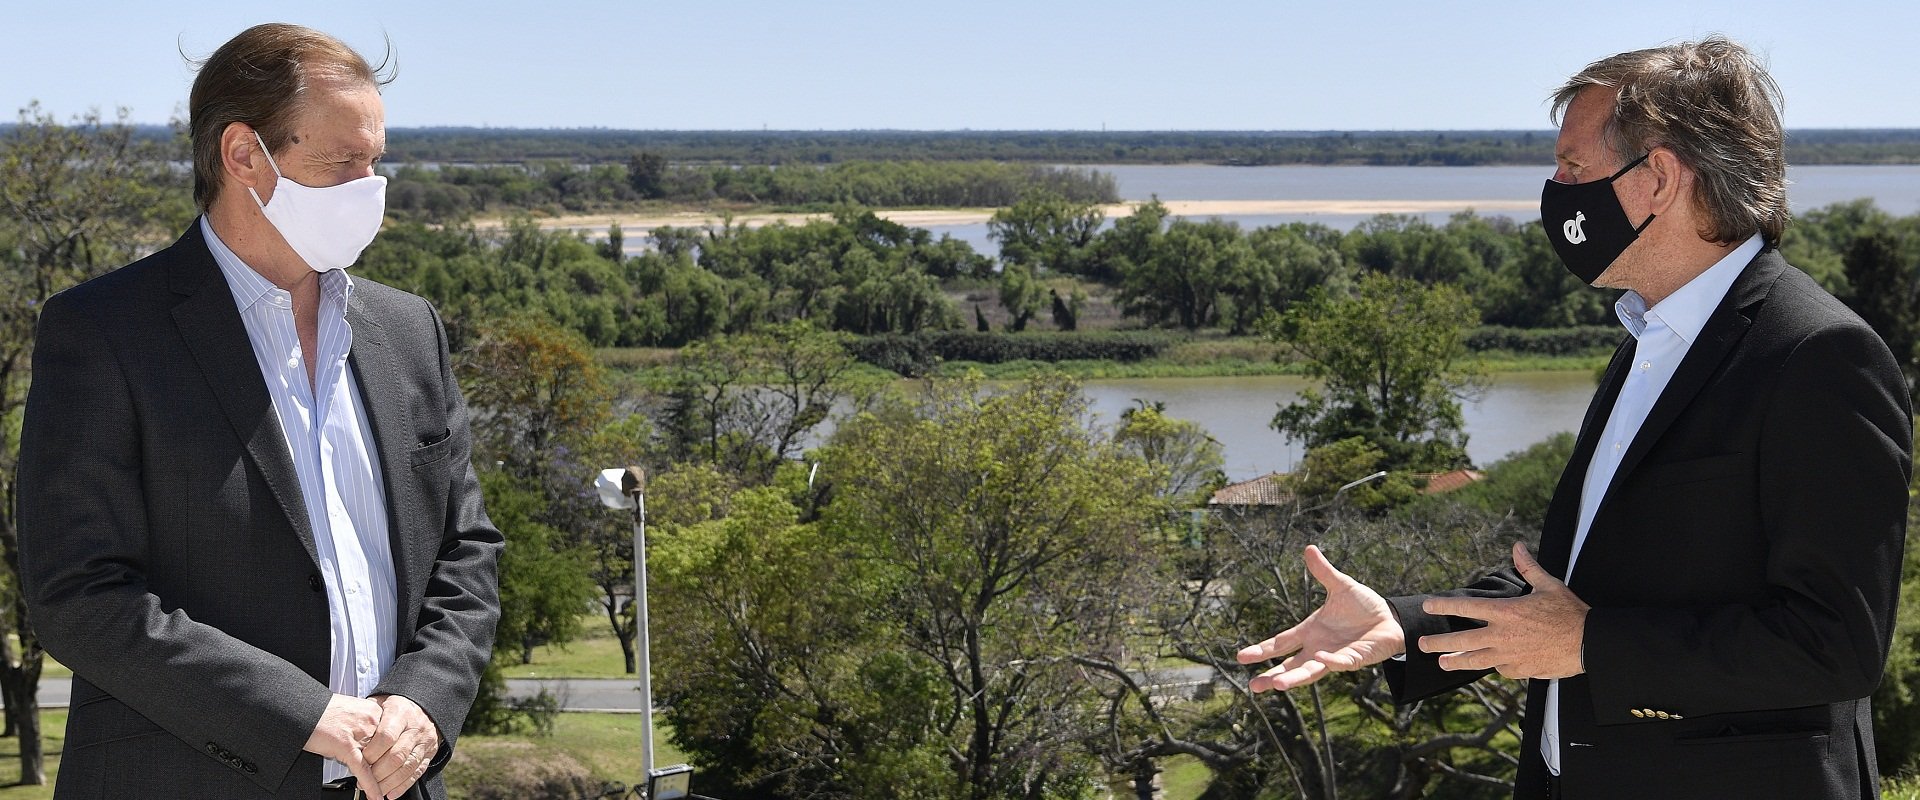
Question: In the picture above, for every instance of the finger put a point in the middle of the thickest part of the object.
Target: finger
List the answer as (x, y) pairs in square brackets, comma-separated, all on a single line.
[(1455, 642), (1282, 679), (1469, 607), (421, 758), (1281, 644), (1530, 569), (1323, 570), (396, 761), (1470, 660), (386, 734), (1345, 659), (363, 776)]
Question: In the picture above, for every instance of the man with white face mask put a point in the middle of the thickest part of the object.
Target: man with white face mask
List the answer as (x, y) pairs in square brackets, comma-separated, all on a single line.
[(248, 521)]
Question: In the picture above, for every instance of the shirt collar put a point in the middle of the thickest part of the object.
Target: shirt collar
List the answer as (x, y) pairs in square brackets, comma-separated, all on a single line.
[(1685, 312), (249, 286)]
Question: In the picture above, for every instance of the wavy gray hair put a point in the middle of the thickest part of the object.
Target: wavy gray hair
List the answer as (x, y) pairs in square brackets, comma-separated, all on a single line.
[(1712, 103)]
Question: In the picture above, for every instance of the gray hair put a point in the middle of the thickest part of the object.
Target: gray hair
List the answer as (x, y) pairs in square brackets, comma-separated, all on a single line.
[(1712, 104)]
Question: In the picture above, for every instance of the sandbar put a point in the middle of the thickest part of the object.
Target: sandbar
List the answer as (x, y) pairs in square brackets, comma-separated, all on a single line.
[(921, 218)]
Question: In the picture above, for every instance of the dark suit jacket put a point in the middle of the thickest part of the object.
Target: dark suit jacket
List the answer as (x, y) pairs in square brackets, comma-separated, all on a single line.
[(1743, 567), (166, 553)]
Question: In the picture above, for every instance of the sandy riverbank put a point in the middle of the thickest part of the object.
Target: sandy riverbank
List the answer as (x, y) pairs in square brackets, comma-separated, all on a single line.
[(921, 218)]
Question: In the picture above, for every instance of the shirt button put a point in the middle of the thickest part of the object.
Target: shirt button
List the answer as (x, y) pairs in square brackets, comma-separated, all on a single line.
[(293, 362), (1646, 365)]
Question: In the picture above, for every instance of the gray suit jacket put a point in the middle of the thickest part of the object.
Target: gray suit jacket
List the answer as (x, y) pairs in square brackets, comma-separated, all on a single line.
[(166, 553)]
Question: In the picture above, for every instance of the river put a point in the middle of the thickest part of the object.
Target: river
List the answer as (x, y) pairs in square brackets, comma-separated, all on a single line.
[(1516, 410)]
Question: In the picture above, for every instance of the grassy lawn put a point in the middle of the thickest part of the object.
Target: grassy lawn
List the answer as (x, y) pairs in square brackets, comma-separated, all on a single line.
[(605, 747), (596, 654), (53, 739)]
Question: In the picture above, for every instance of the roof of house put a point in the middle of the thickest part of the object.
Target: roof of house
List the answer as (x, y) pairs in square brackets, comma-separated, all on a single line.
[(1266, 490), (1443, 482)]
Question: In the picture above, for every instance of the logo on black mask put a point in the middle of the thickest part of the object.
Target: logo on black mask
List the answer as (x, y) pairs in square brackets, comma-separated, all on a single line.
[(1608, 229)]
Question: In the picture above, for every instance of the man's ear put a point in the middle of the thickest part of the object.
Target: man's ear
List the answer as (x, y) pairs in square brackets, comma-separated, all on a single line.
[(241, 160), (1673, 180)]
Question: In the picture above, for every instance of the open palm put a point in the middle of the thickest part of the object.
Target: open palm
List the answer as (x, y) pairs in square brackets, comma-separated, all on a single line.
[(1353, 629)]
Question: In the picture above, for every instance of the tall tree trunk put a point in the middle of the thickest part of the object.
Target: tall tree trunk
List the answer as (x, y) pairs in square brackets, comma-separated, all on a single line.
[(23, 712)]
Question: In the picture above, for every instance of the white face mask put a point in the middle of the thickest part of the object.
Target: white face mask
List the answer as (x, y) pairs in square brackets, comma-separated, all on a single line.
[(327, 226)]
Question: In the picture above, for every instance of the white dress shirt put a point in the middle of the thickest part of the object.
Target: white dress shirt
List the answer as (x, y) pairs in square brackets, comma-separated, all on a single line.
[(1662, 336), (326, 428)]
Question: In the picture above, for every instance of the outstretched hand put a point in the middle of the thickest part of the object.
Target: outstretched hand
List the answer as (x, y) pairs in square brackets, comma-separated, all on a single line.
[(1353, 629)]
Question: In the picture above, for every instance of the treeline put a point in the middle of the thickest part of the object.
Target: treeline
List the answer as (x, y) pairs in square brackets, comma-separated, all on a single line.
[(454, 192), (1384, 148), (859, 274)]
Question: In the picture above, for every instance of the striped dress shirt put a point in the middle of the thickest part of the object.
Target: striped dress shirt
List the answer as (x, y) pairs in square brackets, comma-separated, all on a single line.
[(326, 429)]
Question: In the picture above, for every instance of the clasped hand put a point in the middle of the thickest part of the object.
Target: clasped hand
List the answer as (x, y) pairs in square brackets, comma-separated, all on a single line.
[(386, 741), (1537, 635)]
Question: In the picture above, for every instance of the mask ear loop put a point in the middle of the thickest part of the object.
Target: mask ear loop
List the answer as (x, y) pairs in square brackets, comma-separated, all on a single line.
[(270, 162), (1616, 176)]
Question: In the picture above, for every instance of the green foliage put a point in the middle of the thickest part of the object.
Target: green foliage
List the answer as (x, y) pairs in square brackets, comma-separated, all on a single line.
[(1048, 234), (449, 192), (1519, 486), (1896, 703), (530, 383), (1186, 459), (1007, 539), (1328, 468), (922, 353), (1393, 362), (1582, 340), (1385, 148)]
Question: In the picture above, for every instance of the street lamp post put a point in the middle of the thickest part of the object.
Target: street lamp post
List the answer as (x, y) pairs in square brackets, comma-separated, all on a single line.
[(627, 488)]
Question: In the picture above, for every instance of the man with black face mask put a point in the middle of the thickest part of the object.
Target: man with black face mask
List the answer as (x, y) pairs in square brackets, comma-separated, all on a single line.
[(1714, 596)]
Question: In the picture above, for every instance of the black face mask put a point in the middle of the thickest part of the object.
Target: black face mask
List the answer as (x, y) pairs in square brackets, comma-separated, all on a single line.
[(1586, 224)]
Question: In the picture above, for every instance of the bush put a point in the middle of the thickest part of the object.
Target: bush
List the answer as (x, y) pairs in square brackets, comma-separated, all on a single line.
[(1582, 340)]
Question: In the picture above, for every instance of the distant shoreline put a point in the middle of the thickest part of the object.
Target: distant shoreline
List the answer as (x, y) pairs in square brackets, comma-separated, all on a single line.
[(929, 217)]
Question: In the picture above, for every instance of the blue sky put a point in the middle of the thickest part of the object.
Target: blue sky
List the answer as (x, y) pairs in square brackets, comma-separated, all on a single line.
[(984, 64)]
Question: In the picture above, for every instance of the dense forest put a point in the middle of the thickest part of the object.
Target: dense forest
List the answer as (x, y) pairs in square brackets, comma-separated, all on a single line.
[(1381, 148)]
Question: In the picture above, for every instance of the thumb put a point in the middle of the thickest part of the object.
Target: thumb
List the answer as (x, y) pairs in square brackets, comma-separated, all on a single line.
[(1323, 570), (1531, 569)]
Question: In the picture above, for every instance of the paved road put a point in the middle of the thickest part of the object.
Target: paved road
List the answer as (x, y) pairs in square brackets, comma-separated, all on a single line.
[(575, 694), (616, 695)]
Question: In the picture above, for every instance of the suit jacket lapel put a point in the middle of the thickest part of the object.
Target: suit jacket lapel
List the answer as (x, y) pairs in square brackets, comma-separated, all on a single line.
[(371, 359), (210, 324), (1723, 330), (1556, 539)]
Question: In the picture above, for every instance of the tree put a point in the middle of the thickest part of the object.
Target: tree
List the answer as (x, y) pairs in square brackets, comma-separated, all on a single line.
[(647, 174), (1186, 457), (530, 383), (1022, 294), (745, 403), (1393, 363), (75, 201), (1886, 293), (1186, 272), (1235, 586), (1009, 541), (1047, 234)]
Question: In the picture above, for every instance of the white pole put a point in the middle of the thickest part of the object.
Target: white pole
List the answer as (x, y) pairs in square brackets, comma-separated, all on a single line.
[(640, 625)]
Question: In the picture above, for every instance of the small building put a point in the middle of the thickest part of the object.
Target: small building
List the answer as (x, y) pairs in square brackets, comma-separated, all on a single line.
[(1266, 491)]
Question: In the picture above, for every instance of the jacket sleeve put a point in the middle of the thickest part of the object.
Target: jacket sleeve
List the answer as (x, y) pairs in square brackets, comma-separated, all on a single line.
[(1418, 676), (84, 560), (1834, 466), (452, 640)]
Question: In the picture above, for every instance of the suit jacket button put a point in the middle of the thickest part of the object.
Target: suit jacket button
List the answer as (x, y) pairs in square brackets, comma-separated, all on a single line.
[(213, 748), (1663, 715), (313, 582), (1636, 712)]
